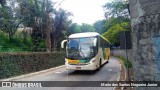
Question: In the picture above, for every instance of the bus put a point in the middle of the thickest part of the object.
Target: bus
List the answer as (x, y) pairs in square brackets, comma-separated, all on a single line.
[(86, 51)]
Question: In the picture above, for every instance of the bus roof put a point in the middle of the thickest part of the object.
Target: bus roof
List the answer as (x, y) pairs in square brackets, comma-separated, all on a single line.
[(85, 34)]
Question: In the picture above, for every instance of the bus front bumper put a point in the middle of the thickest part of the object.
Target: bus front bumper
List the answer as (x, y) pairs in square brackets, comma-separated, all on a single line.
[(90, 66)]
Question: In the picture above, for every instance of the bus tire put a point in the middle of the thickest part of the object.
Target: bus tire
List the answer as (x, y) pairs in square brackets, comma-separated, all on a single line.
[(100, 62), (108, 59)]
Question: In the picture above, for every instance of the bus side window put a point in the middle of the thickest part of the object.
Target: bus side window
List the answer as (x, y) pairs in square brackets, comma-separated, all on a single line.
[(97, 45), (104, 43), (101, 43)]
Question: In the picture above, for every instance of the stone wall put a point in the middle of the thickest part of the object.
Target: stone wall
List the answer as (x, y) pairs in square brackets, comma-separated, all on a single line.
[(122, 52), (145, 17)]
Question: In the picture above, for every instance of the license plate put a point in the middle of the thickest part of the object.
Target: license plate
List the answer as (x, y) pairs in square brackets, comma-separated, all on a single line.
[(73, 61), (78, 68)]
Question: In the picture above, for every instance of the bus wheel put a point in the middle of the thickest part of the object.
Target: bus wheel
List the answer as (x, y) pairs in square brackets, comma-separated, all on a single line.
[(107, 62), (100, 62), (108, 59)]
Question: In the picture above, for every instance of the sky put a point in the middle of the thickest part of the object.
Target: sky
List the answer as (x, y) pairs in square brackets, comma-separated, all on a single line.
[(84, 11)]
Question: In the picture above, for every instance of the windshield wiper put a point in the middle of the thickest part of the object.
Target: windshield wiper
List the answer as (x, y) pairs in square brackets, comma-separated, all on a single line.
[(73, 55), (82, 53)]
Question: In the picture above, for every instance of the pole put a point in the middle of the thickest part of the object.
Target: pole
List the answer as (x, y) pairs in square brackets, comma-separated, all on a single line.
[(127, 56)]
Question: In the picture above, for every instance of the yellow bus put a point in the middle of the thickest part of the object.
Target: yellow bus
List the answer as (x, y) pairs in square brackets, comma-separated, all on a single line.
[(86, 51)]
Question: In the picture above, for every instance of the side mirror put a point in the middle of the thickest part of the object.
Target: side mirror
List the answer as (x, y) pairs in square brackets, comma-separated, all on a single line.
[(95, 42), (111, 47), (62, 43)]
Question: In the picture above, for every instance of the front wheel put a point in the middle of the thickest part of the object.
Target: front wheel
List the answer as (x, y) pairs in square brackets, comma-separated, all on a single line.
[(107, 61), (99, 65)]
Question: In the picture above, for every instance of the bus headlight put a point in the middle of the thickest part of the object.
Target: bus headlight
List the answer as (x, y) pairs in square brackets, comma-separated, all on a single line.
[(93, 60), (66, 60)]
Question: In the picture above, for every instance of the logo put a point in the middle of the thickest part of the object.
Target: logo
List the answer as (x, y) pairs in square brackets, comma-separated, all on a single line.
[(6, 84)]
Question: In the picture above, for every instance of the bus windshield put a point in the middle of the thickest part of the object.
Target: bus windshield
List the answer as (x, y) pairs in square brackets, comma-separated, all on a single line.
[(81, 48)]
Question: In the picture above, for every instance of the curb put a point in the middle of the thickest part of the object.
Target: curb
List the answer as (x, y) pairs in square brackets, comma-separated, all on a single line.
[(125, 75), (120, 70), (31, 74), (121, 65)]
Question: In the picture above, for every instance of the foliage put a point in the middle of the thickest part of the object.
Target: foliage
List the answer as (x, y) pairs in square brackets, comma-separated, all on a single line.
[(13, 64), (48, 26), (61, 26), (19, 42), (35, 14), (87, 28), (113, 21), (9, 20), (116, 9), (74, 28), (126, 62), (42, 44), (112, 33), (117, 21), (9, 68), (2, 3), (100, 26)]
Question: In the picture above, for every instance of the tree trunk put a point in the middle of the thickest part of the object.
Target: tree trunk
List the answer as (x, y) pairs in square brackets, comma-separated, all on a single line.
[(54, 43), (48, 40), (35, 39), (10, 37), (48, 29)]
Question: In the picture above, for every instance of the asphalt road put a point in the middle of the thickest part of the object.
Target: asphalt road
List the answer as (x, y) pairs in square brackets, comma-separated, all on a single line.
[(109, 72)]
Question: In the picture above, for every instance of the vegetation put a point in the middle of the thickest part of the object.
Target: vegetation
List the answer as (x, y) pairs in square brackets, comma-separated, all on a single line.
[(100, 26), (46, 24), (126, 62), (13, 64), (37, 25), (117, 16), (75, 28), (114, 28)]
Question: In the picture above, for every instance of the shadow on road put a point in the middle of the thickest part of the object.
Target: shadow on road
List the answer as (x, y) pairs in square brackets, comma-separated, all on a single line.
[(85, 72)]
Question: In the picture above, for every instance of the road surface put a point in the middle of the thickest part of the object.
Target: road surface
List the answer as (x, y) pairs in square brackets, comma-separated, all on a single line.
[(109, 72)]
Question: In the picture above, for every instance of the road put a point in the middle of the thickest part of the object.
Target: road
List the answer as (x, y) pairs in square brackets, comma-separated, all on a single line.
[(109, 72)]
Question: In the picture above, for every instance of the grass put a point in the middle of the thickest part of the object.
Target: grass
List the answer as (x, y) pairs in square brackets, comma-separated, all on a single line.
[(126, 62)]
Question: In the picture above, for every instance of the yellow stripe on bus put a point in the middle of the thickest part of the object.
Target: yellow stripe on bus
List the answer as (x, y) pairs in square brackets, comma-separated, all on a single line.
[(108, 53), (73, 61)]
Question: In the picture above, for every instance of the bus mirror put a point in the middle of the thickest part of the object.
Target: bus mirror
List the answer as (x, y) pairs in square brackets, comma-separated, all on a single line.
[(95, 42), (62, 43), (111, 47)]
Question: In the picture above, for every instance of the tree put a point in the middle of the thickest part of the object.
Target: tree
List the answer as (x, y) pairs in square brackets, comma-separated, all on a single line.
[(116, 9), (74, 28), (36, 14), (99, 26), (118, 21), (113, 32), (48, 25), (61, 26), (2, 3), (9, 21), (113, 21), (87, 28)]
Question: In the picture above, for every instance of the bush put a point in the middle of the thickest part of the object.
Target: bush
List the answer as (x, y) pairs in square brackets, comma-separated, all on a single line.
[(20, 42), (126, 62), (3, 38), (13, 64)]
